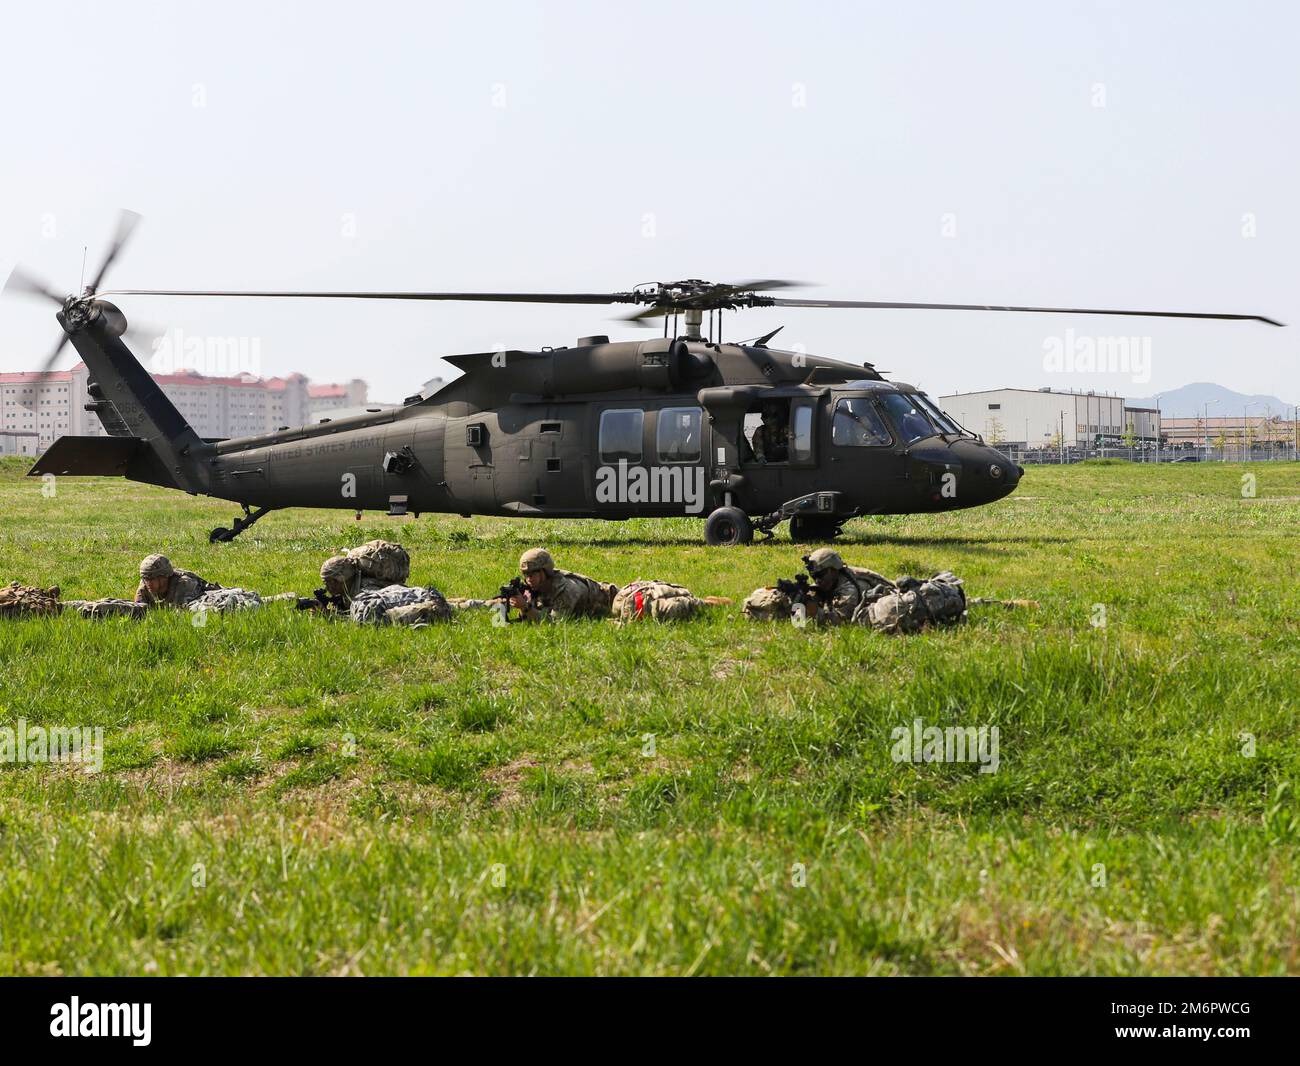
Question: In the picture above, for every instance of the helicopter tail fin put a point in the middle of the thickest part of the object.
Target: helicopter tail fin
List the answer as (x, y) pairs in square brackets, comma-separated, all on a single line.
[(150, 440)]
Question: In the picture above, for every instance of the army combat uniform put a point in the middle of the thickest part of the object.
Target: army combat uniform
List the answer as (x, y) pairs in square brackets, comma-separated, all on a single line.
[(841, 592), (183, 586), (838, 604), (563, 594)]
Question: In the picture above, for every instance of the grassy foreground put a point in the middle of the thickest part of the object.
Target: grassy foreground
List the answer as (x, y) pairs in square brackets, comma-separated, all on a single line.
[(285, 795)]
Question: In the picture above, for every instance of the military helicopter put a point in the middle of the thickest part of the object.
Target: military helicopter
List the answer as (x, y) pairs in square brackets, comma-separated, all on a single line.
[(659, 427)]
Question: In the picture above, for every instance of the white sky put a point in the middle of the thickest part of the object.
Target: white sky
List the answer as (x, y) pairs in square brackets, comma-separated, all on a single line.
[(390, 114)]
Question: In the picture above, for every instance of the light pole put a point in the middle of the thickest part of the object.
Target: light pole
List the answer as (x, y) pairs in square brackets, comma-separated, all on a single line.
[(1245, 430), (1205, 440)]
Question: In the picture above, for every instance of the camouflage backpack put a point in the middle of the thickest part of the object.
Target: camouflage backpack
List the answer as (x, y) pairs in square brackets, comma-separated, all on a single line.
[(912, 604), (657, 600), (423, 613), (766, 605), (19, 600), (107, 608), (869, 580), (373, 607), (224, 600), (382, 560)]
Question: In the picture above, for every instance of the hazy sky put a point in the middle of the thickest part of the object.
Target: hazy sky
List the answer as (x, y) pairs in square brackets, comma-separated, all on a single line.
[(1132, 155)]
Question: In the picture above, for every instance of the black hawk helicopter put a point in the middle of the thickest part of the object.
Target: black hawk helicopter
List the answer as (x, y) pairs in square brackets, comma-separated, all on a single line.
[(657, 427)]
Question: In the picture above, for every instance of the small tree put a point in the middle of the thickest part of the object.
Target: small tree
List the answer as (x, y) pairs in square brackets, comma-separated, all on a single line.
[(996, 434)]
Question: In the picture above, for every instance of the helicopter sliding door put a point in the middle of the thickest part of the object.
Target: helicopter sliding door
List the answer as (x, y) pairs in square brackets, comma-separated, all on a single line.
[(781, 463)]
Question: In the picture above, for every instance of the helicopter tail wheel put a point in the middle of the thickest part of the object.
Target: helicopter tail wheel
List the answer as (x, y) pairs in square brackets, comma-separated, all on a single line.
[(806, 529), (728, 525)]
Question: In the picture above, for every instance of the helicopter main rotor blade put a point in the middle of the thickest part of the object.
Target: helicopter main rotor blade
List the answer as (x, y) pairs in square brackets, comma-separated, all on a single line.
[(48, 364), (126, 224), (25, 284), (765, 285), (474, 297), (780, 302)]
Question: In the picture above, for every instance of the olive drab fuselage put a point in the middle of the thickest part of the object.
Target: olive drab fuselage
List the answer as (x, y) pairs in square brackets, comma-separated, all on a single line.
[(603, 430)]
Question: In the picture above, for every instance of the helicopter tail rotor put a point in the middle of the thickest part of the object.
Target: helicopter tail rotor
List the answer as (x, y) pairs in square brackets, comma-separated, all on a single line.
[(75, 308)]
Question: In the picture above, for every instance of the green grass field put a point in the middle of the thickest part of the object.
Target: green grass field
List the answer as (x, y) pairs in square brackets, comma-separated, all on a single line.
[(285, 795)]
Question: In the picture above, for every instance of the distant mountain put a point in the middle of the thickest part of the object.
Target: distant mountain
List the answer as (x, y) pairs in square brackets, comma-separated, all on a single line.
[(1190, 401)]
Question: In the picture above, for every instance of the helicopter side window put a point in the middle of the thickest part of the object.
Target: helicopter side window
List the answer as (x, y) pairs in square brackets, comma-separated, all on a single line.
[(620, 435), (678, 435), (857, 425), (909, 418)]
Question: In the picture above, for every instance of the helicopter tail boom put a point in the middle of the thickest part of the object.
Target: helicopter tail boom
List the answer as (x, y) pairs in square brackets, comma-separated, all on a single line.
[(148, 440)]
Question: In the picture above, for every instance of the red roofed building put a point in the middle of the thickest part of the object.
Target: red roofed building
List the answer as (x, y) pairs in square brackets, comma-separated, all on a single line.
[(54, 405), (326, 398)]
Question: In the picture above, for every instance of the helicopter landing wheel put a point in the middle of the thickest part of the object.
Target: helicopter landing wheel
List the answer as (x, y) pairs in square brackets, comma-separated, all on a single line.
[(809, 529), (728, 525), (220, 535)]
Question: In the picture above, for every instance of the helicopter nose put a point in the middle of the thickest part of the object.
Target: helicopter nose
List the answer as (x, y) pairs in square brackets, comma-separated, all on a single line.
[(992, 473), (986, 474)]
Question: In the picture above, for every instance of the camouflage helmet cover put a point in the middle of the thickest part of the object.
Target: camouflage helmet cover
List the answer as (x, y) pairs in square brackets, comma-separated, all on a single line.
[(535, 559), (823, 559), (338, 566), (156, 566)]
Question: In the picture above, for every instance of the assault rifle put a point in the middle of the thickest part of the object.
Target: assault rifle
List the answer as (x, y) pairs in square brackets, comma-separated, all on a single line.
[(801, 592), (515, 587), (321, 600)]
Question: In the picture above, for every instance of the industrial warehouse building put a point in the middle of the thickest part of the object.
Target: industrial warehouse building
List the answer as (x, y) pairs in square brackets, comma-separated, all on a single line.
[(1046, 418)]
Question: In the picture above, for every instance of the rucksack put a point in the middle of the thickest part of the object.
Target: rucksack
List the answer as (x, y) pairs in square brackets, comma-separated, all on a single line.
[(419, 614), (17, 600), (382, 560), (373, 607), (913, 604), (658, 601), (766, 605)]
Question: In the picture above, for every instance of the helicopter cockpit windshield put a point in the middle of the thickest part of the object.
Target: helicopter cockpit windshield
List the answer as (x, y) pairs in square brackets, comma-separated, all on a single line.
[(908, 416), (938, 416)]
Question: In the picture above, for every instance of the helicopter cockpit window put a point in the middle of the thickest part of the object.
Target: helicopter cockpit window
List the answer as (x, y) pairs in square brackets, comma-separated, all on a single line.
[(910, 420), (620, 435), (678, 435), (937, 415), (857, 425)]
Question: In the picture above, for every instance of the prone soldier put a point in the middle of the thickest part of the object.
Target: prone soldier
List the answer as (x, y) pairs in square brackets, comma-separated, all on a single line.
[(549, 592), (163, 585)]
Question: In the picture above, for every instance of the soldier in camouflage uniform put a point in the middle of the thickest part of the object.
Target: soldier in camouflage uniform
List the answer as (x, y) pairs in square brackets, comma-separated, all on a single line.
[(557, 593), (840, 588), (162, 585), (344, 579)]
